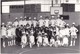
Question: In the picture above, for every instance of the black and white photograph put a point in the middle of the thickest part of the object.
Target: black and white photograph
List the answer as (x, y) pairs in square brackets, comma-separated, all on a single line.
[(40, 27)]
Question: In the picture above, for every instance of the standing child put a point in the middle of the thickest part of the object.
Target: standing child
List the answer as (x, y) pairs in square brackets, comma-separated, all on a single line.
[(21, 21), (52, 21), (35, 22), (29, 21), (41, 21), (3, 30), (9, 35), (13, 34), (16, 23), (73, 31)]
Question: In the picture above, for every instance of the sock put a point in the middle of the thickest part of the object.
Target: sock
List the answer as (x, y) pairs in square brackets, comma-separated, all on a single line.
[(74, 43), (22, 46), (38, 44), (4, 44), (14, 42), (71, 43), (30, 45)]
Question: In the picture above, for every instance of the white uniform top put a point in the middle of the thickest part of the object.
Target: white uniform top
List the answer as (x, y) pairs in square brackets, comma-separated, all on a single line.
[(39, 39), (34, 23), (52, 41), (13, 31), (24, 39), (4, 31), (62, 24), (20, 22), (46, 22), (16, 23), (45, 40), (41, 22), (73, 30), (9, 32), (52, 22), (32, 39), (24, 22), (67, 31), (58, 22), (62, 33)]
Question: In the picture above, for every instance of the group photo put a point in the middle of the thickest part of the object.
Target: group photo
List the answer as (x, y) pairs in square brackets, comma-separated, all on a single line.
[(40, 27)]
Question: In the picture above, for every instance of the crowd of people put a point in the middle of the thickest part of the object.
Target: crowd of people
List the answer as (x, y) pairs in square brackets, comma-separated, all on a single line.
[(43, 32)]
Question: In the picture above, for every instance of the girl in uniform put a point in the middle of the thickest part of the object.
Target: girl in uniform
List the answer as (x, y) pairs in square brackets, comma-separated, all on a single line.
[(41, 22), (16, 23), (31, 39), (3, 30), (23, 40), (39, 39), (24, 22), (20, 21), (52, 42), (9, 35), (45, 40), (35, 22), (29, 21), (67, 35), (61, 35), (52, 21), (46, 22), (73, 31), (13, 34)]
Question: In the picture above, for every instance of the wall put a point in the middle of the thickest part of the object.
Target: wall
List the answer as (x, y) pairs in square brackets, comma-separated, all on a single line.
[(5, 17), (73, 16)]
